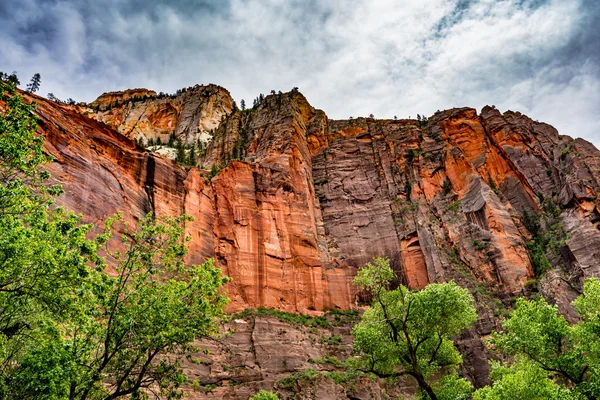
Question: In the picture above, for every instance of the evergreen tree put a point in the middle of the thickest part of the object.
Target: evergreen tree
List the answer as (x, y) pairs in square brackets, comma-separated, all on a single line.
[(13, 79), (52, 97), (243, 104), (180, 157), (192, 156), (34, 85)]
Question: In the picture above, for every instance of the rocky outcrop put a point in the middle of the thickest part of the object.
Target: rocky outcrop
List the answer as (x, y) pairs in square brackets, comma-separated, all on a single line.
[(262, 352), (190, 115), (295, 202)]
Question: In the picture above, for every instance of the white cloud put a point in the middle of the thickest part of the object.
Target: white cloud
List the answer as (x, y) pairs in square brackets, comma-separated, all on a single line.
[(352, 57)]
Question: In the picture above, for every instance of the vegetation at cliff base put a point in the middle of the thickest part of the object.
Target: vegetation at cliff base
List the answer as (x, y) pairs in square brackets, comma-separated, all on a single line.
[(410, 333), (551, 355), (68, 329)]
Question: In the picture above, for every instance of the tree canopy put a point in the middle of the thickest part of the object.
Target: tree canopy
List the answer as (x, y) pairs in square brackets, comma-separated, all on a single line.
[(407, 332), (68, 329), (553, 355)]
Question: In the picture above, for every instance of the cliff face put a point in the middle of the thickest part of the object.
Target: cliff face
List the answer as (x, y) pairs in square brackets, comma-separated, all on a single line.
[(301, 201), (311, 199), (190, 115)]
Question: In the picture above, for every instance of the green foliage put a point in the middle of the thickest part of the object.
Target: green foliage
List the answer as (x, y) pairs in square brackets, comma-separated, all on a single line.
[(12, 79), (328, 360), (479, 245), (331, 340), (410, 332), (408, 188), (43, 252), (264, 395), (192, 156), (214, 170), (180, 156), (548, 235), (290, 382), (413, 154), (34, 85), (545, 344), (238, 149), (126, 324), (322, 181), (347, 378), (454, 206), (492, 184), (68, 330), (523, 380), (450, 387)]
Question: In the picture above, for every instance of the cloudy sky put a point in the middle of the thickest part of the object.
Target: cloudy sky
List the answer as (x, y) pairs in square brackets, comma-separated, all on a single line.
[(349, 57)]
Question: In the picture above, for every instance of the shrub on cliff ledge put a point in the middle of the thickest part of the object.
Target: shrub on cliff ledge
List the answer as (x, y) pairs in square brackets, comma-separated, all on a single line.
[(409, 332), (264, 395)]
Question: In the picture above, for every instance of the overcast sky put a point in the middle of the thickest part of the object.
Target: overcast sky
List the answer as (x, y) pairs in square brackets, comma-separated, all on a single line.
[(348, 57)]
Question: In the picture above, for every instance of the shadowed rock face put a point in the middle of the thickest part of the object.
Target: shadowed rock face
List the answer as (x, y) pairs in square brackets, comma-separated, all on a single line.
[(308, 199)]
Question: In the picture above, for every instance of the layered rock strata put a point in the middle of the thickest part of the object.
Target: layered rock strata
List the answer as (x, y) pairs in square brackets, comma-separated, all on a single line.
[(295, 202)]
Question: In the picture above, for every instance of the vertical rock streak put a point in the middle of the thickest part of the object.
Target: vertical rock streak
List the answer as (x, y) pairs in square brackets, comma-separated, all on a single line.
[(310, 199)]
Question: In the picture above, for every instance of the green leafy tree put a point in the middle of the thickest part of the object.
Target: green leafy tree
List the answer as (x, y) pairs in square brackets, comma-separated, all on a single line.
[(43, 251), (132, 329), (264, 395), (524, 380), (407, 332), (567, 354), (144, 319), (68, 330), (34, 85)]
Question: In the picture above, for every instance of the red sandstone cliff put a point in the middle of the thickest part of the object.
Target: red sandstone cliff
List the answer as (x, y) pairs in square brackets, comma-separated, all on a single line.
[(311, 199)]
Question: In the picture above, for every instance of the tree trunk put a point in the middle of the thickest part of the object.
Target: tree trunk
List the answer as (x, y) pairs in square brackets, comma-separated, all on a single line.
[(425, 386)]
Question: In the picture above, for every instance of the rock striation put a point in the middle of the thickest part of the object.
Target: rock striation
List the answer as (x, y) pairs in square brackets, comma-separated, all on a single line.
[(295, 202), (189, 115)]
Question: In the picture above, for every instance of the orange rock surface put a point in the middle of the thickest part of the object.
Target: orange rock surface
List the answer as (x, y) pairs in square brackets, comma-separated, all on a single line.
[(309, 199)]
